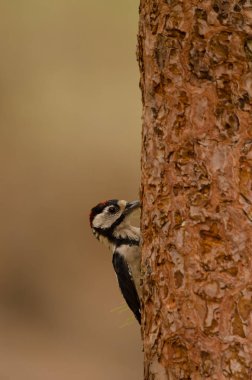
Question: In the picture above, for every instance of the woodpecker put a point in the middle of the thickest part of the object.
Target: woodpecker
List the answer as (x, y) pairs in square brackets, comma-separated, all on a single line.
[(111, 226)]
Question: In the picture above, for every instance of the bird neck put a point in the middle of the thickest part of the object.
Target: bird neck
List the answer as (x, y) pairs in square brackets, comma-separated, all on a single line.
[(124, 233)]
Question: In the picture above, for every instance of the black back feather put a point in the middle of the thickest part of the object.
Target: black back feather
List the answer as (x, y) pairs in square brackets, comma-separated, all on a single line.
[(126, 284)]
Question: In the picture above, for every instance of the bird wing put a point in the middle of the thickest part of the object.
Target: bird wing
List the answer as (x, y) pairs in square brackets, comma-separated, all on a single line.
[(126, 284)]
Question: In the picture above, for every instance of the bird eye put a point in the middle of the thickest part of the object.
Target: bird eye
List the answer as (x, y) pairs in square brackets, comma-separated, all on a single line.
[(112, 209)]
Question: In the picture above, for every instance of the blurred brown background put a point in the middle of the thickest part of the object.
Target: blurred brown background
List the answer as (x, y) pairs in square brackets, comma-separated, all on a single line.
[(69, 137)]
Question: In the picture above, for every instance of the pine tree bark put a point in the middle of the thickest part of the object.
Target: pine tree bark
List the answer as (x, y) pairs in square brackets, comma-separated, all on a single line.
[(195, 61)]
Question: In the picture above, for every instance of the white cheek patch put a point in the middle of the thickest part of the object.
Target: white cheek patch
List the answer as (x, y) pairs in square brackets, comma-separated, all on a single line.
[(104, 220), (100, 220)]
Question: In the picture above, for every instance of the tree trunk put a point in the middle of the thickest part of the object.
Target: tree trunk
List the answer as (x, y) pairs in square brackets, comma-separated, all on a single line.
[(195, 60)]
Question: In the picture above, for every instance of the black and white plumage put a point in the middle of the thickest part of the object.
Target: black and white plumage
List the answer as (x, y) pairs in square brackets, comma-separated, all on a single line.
[(110, 224)]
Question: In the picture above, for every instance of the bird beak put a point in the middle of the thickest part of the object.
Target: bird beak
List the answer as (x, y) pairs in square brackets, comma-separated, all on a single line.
[(131, 206)]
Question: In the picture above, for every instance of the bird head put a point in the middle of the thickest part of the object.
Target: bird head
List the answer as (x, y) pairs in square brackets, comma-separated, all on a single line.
[(109, 217)]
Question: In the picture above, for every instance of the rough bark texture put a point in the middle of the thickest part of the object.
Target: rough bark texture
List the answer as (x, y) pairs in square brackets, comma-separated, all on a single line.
[(195, 60)]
